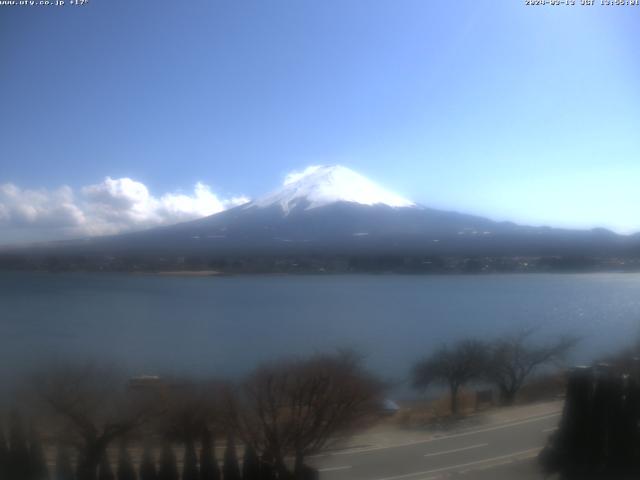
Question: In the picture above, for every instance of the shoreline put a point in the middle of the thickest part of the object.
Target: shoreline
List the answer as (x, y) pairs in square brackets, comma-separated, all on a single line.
[(217, 273), (185, 273)]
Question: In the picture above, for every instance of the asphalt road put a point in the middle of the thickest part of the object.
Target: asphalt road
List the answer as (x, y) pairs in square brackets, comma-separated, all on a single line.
[(498, 452)]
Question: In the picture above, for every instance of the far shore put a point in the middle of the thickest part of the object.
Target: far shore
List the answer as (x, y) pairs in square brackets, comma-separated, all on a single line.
[(188, 273)]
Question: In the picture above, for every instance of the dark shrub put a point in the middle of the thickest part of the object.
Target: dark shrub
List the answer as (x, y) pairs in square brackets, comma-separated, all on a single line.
[(230, 468), (168, 467), (209, 469), (148, 469), (126, 470), (105, 472), (190, 462), (63, 470), (250, 464)]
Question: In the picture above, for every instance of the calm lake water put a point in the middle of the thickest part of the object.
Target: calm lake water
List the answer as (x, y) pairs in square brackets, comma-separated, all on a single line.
[(226, 325)]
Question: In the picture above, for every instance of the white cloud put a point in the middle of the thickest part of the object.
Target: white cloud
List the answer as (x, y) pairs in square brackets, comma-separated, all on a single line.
[(112, 206), (44, 208)]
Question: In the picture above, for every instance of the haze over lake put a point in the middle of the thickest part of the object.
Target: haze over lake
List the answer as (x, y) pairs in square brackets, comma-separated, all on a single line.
[(226, 325)]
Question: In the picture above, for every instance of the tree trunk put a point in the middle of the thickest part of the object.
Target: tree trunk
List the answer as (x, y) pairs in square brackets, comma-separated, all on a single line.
[(454, 399), (281, 469), (302, 471), (507, 396), (297, 467), (88, 462)]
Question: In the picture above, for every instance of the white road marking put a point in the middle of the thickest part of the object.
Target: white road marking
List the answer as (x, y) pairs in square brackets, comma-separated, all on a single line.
[(462, 449), (463, 465), (547, 430), (334, 469), (445, 437)]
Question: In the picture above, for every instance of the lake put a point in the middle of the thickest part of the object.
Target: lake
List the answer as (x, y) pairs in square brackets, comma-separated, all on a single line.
[(226, 325)]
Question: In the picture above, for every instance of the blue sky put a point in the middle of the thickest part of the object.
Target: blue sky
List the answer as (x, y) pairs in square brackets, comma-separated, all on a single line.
[(524, 113)]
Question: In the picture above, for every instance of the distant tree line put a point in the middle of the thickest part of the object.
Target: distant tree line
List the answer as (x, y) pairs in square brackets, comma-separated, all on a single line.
[(507, 363), (281, 414), (411, 263)]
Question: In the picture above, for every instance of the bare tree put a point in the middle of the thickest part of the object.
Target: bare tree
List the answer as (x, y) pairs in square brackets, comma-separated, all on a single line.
[(90, 403), (298, 407), (452, 366), (514, 358)]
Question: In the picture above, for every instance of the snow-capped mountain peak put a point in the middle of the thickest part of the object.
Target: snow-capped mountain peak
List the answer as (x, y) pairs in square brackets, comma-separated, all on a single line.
[(321, 185)]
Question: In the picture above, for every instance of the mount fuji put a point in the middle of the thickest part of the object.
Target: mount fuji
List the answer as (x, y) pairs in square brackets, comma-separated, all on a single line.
[(332, 211), (319, 186)]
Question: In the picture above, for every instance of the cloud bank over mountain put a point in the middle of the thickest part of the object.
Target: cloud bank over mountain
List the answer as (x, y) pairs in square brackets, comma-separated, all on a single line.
[(115, 205)]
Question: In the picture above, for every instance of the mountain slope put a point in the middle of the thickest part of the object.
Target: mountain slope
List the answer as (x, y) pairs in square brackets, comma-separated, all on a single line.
[(335, 211)]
